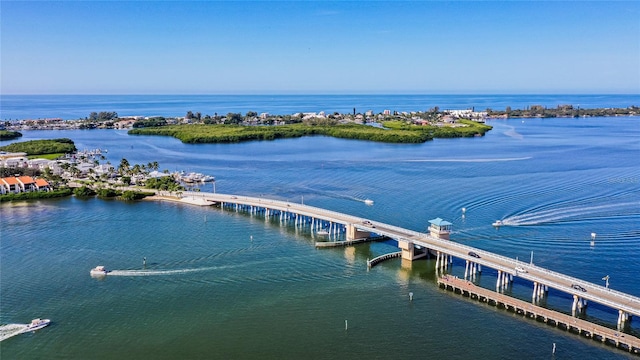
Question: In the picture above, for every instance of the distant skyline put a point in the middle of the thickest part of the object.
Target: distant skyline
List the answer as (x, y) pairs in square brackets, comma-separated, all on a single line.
[(320, 47)]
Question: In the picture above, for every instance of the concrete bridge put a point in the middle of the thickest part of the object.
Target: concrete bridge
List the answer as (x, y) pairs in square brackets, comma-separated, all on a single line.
[(415, 245)]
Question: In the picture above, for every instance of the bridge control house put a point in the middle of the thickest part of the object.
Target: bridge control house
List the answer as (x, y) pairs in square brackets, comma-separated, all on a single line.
[(440, 228)]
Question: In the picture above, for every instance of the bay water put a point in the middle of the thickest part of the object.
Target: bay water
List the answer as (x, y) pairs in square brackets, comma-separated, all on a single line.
[(220, 284)]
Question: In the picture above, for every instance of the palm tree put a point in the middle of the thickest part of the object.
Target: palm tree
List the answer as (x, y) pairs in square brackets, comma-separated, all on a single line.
[(123, 169)]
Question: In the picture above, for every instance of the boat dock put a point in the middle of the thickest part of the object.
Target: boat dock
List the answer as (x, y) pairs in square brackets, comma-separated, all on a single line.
[(326, 244), (563, 321)]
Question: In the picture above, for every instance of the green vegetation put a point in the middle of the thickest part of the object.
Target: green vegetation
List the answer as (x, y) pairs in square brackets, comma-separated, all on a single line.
[(8, 135), (39, 147), (155, 121), (36, 195), (106, 193), (130, 195), (166, 183), (103, 116), (84, 191), (199, 133), (46, 156), (109, 193)]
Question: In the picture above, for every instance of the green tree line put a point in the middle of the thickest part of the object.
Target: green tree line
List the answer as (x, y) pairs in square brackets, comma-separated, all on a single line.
[(39, 147)]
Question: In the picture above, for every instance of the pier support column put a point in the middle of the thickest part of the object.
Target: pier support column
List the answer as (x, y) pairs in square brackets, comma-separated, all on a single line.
[(574, 306), (407, 250), (622, 319), (499, 281), (353, 233), (466, 269)]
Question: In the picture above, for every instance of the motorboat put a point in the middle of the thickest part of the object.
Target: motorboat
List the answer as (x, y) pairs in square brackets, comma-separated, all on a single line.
[(98, 271), (194, 177), (207, 178), (323, 232), (37, 324), (368, 202), (497, 223)]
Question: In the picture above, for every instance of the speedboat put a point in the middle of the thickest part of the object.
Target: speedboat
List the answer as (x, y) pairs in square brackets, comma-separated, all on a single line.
[(497, 223), (368, 202), (37, 324), (323, 232), (98, 271)]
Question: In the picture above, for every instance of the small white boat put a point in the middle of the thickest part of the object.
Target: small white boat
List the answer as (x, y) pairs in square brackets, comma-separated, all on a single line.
[(37, 324), (207, 178), (98, 271), (368, 202), (323, 232), (497, 223)]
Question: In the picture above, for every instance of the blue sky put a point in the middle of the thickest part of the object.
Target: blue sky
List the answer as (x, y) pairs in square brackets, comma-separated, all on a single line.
[(319, 47)]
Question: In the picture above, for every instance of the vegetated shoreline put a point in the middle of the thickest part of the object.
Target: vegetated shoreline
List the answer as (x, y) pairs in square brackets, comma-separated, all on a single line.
[(394, 132)]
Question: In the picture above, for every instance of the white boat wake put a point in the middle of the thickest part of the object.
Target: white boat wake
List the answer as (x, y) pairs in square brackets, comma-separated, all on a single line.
[(10, 330), (155, 272), (566, 214)]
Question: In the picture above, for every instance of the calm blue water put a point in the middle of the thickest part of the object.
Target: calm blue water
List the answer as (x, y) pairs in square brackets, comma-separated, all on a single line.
[(14, 107), (230, 285)]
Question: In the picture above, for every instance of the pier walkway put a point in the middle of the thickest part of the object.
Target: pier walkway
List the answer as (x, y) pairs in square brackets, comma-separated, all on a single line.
[(550, 317)]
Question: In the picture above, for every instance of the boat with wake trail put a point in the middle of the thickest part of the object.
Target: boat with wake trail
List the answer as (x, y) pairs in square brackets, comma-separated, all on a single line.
[(36, 324), (99, 271)]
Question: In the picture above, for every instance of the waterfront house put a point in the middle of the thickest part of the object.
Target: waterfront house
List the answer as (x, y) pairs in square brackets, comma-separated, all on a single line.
[(20, 184)]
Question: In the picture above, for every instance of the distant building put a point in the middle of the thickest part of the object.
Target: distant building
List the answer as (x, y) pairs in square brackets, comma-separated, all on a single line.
[(466, 114), (9, 159), (387, 112)]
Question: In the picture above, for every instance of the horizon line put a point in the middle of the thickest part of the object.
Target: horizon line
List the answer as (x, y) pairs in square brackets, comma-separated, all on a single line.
[(324, 94)]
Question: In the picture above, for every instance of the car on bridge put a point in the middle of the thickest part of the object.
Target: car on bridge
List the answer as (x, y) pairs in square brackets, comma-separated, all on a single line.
[(520, 269), (368, 223), (472, 254), (578, 287)]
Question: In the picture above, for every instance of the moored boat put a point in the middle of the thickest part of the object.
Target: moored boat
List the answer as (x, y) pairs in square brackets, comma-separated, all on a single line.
[(207, 178)]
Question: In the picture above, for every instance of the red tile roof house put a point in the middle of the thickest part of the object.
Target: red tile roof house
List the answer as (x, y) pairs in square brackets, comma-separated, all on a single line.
[(22, 184)]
